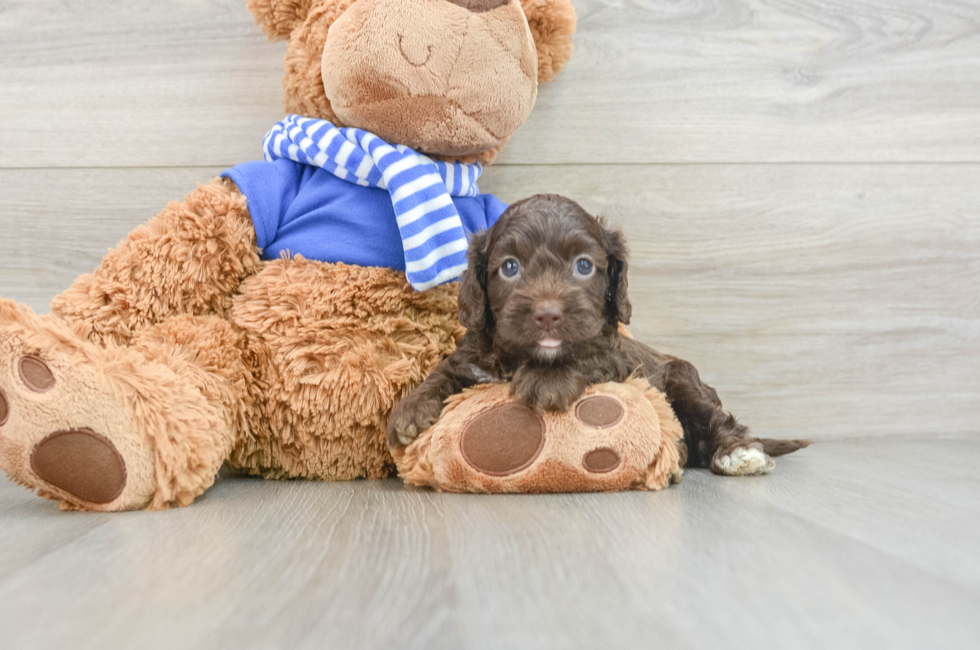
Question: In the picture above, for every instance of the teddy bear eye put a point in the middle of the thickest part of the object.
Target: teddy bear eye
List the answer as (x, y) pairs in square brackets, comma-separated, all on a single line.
[(584, 267), (510, 268)]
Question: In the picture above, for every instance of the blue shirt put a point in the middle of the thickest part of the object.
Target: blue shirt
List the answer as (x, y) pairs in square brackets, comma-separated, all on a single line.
[(308, 211)]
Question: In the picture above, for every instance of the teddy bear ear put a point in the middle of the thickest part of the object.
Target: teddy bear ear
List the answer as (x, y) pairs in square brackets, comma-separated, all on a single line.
[(278, 17), (552, 24)]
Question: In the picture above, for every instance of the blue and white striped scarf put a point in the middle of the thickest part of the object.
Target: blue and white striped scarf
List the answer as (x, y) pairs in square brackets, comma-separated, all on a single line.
[(421, 189)]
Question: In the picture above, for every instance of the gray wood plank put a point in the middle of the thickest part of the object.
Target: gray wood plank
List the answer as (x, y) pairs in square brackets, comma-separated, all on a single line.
[(915, 499), (59, 224), (31, 528), (150, 83), (225, 573), (109, 84), (820, 300), (733, 562), (702, 571)]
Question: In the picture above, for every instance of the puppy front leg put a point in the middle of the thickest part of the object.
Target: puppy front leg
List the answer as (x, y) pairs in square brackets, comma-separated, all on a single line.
[(423, 406), (548, 389), (715, 438)]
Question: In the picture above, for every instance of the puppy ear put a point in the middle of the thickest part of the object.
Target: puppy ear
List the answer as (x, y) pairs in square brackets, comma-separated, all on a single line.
[(618, 308), (474, 305), (552, 24)]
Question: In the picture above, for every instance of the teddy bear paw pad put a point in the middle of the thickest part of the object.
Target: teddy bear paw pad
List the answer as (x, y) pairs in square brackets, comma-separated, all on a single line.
[(504, 440), (35, 374), (600, 461), (36, 446), (64, 429), (4, 409), (82, 463), (600, 412), (744, 461)]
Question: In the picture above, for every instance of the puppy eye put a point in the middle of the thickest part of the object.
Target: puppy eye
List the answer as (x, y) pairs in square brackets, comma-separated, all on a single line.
[(510, 268), (584, 267)]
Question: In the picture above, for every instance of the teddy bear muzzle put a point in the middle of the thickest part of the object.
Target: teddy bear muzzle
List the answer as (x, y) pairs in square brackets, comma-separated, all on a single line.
[(478, 6), (445, 77)]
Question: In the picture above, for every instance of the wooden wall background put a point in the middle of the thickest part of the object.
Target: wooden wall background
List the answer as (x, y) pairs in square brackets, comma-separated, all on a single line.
[(799, 179)]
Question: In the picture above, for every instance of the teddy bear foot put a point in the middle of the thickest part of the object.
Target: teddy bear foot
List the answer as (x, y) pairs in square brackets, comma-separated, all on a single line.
[(746, 459), (617, 436), (62, 431)]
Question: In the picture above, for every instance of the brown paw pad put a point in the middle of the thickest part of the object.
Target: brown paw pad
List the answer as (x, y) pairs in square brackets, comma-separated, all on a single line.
[(504, 440), (36, 375), (4, 408), (82, 463), (600, 461), (600, 412)]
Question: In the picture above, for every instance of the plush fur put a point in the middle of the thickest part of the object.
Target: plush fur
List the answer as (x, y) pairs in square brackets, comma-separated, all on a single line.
[(184, 350), (476, 86)]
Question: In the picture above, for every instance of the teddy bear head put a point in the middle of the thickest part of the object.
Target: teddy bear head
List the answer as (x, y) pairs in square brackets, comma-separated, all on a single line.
[(450, 78)]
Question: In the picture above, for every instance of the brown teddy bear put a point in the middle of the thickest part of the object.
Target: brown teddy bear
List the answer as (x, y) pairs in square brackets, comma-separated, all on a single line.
[(210, 335)]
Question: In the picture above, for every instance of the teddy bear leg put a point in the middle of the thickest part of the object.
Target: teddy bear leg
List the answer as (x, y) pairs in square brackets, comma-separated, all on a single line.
[(189, 259), (118, 428)]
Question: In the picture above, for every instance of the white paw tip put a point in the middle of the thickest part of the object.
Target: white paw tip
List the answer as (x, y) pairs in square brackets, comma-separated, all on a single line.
[(745, 461)]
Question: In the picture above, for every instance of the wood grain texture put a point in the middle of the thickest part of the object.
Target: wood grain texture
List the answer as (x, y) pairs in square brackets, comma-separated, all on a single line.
[(819, 300), (823, 300), (59, 223), (804, 558), (193, 83)]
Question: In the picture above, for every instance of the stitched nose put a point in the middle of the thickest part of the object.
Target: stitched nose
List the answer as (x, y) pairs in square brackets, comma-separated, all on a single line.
[(479, 6), (547, 318)]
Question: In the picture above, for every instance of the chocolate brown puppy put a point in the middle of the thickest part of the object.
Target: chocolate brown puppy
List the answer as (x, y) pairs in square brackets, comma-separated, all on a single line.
[(542, 301)]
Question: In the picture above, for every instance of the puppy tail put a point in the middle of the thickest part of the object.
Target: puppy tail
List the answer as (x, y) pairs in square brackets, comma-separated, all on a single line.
[(775, 447)]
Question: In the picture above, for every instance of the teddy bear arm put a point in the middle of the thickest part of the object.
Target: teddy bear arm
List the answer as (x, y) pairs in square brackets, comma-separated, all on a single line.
[(189, 259)]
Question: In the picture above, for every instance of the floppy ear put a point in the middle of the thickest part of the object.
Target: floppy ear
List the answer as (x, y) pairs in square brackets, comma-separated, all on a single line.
[(474, 304), (552, 24), (278, 17), (618, 308)]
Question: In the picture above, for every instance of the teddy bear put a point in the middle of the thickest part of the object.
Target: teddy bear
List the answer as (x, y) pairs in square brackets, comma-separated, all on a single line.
[(271, 319)]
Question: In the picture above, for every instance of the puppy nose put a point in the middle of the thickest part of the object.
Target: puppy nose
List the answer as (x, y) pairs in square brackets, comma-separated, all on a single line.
[(547, 317), (479, 6)]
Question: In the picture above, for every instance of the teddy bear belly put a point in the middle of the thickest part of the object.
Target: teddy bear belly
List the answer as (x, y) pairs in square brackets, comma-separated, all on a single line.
[(336, 347)]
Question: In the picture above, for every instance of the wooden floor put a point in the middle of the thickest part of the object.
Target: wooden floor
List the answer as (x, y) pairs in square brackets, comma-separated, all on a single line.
[(799, 181), (871, 543)]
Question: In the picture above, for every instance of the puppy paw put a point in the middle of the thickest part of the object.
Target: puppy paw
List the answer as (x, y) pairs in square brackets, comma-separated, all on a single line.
[(744, 460), (412, 416)]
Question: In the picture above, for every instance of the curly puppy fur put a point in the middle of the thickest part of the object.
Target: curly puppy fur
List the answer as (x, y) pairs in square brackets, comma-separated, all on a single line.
[(542, 301)]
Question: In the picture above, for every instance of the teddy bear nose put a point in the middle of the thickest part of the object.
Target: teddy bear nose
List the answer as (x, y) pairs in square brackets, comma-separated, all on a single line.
[(479, 6)]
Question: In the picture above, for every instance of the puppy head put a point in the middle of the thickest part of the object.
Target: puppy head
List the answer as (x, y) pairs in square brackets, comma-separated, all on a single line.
[(546, 277)]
